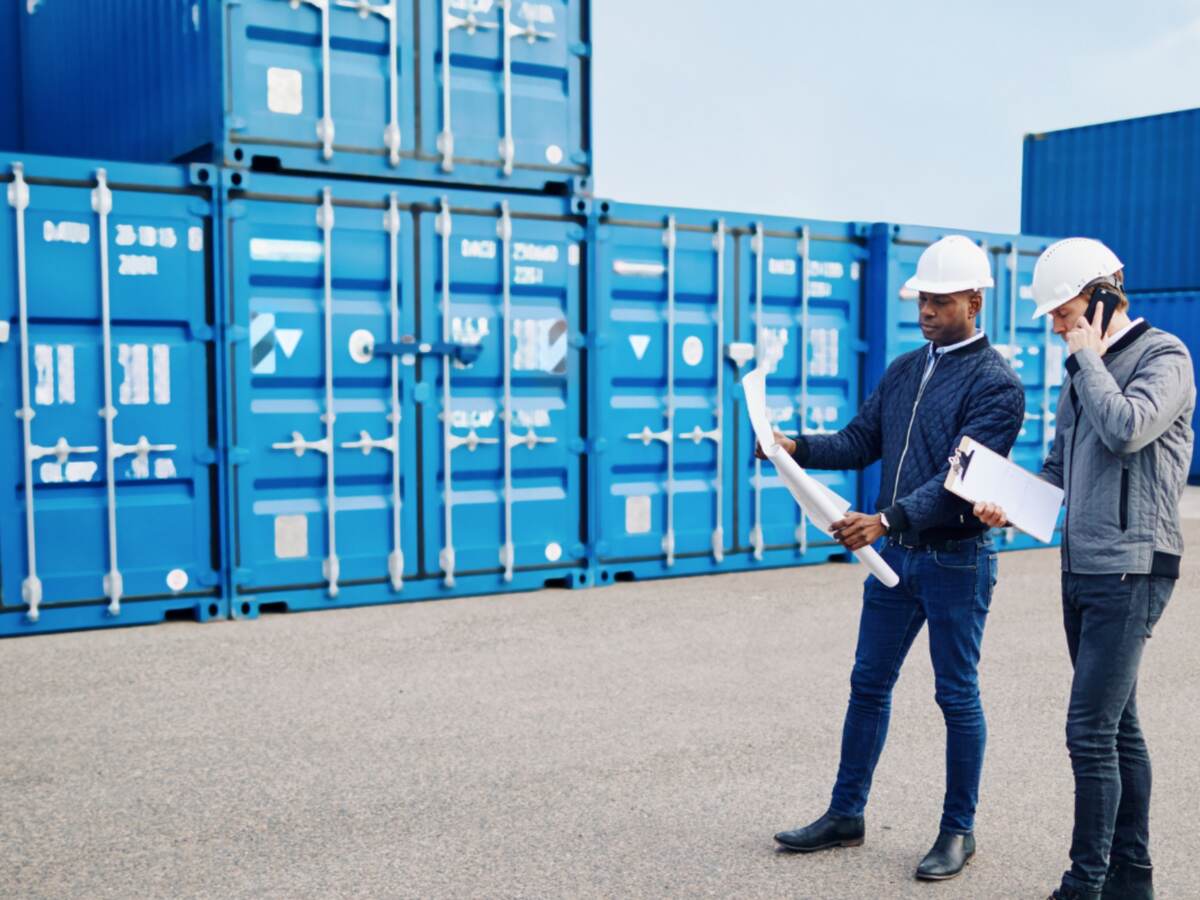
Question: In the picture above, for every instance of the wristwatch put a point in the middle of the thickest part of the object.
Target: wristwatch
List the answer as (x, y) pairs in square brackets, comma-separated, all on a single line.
[(886, 524)]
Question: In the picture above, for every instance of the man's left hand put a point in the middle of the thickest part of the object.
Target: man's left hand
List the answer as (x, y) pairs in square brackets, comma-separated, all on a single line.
[(857, 530), (1087, 334)]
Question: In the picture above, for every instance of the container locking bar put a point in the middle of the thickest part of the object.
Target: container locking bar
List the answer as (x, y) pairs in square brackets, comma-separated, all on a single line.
[(31, 587), (408, 348), (670, 241), (504, 233), (325, 221), (757, 245), (471, 24), (802, 250), (388, 12), (325, 123), (102, 204), (444, 227), (391, 224), (529, 33)]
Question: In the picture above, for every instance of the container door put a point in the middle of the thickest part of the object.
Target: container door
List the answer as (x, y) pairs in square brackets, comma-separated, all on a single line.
[(502, 470), (663, 304), (107, 403), (335, 75), (321, 427), (803, 295), (509, 92)]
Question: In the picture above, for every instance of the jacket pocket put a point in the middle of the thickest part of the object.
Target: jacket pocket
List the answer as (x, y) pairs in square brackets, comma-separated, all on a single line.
[(1124, 498)]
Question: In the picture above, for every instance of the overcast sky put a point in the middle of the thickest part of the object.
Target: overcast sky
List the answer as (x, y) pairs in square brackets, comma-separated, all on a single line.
[(899, 111)]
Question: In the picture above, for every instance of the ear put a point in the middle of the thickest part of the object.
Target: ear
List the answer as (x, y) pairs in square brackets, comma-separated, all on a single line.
[(975, 303)]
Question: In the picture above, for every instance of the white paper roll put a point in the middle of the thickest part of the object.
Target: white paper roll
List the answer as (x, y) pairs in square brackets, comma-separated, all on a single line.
[(821, 504)]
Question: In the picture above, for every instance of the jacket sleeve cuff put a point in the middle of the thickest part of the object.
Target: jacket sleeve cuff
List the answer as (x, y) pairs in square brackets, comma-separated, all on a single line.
[(1083, 359), (897, 519), (801, 453)]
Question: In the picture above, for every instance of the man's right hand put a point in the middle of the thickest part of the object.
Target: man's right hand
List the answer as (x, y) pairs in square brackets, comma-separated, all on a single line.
[(991, 515), (782, 440)]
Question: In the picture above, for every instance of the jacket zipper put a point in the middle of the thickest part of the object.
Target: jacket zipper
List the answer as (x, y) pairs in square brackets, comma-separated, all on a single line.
[(1124, 498), (925, 379), (1069, 462)]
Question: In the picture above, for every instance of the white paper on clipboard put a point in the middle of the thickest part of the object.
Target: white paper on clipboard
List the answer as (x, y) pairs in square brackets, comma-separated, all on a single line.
[(981, 475)]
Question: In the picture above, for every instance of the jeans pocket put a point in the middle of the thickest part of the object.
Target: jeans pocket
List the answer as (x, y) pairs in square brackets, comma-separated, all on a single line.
[(957, 560), (1160, 593)]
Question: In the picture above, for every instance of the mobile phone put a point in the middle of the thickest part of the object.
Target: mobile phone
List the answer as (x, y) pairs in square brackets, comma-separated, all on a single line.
[(1110, 299)]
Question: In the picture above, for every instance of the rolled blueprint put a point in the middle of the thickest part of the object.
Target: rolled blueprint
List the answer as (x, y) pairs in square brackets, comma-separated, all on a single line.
[(821, 504)]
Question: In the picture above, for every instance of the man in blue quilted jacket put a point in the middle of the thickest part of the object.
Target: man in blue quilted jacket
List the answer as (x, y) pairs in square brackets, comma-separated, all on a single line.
[(927, 400)]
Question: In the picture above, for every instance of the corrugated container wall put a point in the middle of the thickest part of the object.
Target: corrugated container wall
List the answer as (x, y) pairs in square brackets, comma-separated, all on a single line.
[(467, 91), (11, 137), (1132, 184), (1034, 351), (109, 398), (1179, 313), (406, 372), (683, 302)]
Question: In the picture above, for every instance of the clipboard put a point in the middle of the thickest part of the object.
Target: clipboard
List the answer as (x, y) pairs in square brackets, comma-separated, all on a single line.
[(981, 475)]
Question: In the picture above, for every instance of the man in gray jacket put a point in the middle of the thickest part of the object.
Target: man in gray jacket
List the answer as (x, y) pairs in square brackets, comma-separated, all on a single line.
[(1121, 453)]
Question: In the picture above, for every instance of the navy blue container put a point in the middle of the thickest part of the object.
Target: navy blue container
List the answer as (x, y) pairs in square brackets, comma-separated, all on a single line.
[(682, 303), (1179, 313), (407, 392), (1131, 184), (109, 402), (11, 137), (1034, 351), (471, 91)]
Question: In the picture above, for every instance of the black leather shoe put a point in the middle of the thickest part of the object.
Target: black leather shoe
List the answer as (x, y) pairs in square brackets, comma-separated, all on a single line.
[(1129, 881), (949, 854), (1070, 893), (827, 831)]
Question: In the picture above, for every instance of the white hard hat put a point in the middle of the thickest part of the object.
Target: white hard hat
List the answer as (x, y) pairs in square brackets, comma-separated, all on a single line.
[(1066, 268), (955, 263)]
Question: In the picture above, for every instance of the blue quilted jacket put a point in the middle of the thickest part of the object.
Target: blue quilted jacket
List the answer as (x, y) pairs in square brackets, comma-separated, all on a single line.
[(971, 391)]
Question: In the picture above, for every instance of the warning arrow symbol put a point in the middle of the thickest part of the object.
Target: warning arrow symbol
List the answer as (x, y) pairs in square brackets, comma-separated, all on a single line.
[(288, 338)]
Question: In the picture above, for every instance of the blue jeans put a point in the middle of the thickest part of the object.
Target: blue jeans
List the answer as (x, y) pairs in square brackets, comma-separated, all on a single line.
[(1108, 619), (952, 592)]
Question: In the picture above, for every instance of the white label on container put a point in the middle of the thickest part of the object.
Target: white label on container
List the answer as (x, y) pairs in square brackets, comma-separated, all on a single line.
[(164, 468), (126, 235), (478, 249), (285, 91), (475, 6), (638, 269), (4, 328), (572, 254), (554, 551), (819, 269), (167, 238), (542, 253), (781, 266), (855, 271), (1025, 292), (693, 351), (66, 232), (43, 364), (65, 361), (637, 514), (533, 418), (81, 470), (177, 580), (554, 154), (469, 330), (472, 418), (908, 294), (51, 472), (1054, 365), (528, 275), (272, 250), (196, 239), (135, 264), (825, 352), (134, 360), (541, 13), (820, 289), (162, 374), (291, 537), (541, 346), (147, 235)]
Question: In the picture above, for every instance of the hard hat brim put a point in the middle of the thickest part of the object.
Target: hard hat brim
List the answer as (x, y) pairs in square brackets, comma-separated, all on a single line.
[(947, 287)]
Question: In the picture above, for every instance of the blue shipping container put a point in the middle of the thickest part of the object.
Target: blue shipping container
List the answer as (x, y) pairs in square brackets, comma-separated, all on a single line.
[(108, 404), (1131, 184), (1177, 312), (682, 301), (1034, 351), (407, 413), (11, 137), (470, 91)]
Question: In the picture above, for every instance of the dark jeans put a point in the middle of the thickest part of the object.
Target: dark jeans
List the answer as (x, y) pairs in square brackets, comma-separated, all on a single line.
[(1108, 619), (951, 591)]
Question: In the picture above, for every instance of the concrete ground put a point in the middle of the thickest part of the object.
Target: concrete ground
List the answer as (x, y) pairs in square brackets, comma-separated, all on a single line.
[(643, 740)]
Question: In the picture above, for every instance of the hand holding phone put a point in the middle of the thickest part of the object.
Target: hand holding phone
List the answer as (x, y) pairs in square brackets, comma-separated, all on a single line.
[(1088, 332)]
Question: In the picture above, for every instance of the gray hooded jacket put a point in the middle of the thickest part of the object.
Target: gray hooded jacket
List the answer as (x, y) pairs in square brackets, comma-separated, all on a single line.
[(1121, 452)]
